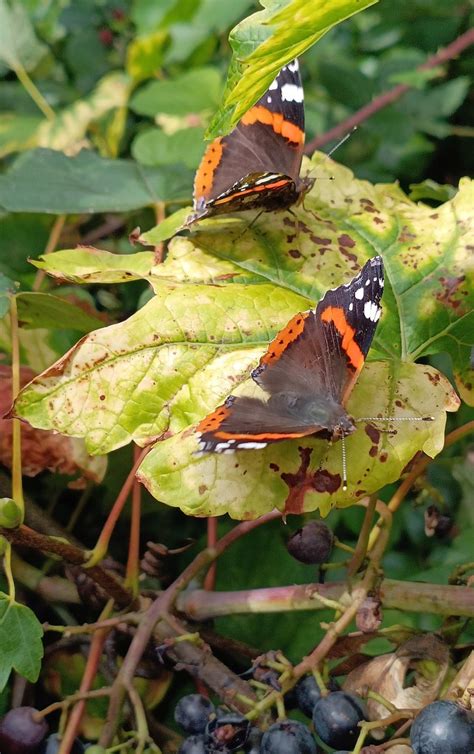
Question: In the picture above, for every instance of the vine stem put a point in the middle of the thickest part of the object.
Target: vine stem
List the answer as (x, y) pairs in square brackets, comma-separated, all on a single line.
[(210, 577), (17, 481), (53, 239), (23, 536), (416, 597), (102, 544), (159, 609), (90, 672), (387, 98), (34, 92), (418, 468), (133, 561)]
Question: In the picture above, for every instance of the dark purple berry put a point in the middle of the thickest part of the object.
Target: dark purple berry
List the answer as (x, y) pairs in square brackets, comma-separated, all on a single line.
[(20, 732), (307, 694), (253, 741), (443, 728), (194, 745), (192, 713), (336, 718), (312, 544), (287, 737)]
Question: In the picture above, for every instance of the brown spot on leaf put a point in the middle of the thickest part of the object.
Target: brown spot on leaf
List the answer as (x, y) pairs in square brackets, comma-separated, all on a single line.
[(303, 481), (450, 290), (373, 433), (202, 489), (294, 253), (346, 240), (383, 456), (102, 397), (274, 467), (322, 241), (373, 451)]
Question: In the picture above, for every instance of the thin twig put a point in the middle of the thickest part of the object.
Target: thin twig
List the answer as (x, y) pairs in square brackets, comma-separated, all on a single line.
[(23, 536), (159, 608), (387, 98)]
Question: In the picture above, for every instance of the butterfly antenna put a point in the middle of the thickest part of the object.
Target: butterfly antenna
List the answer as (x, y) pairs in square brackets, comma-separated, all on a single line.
[(394, 419), (342, 141), (344, 463)]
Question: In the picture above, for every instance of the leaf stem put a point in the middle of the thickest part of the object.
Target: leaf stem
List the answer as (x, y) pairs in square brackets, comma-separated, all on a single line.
[(53, 238), (34, 92), (17, 481), (102, 544), (133, 569), (90, 672), (7, 567)]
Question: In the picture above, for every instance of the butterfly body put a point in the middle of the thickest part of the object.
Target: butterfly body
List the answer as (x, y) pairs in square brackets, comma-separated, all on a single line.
[(307, 373), (257, 165)]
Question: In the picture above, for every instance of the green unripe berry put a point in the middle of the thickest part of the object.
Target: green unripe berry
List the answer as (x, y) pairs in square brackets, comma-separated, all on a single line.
[(10, 513)]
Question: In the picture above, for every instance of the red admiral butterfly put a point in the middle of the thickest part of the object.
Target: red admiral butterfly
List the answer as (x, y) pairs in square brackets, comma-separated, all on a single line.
[(308, 372), (257, 165)]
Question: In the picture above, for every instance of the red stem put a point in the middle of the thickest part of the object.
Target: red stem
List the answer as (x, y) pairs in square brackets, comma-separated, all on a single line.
[(90, 672), (210, 579), (132, 572), (447, 53), (102, 543)]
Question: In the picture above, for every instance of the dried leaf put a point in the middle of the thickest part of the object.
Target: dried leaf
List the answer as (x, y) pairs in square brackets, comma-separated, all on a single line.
[(44, 449)]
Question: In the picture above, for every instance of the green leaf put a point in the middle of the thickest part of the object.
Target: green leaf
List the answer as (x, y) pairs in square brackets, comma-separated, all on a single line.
[(86, 183), (19, 46), (7, 288), (145, 55), (266, 41), (155, 147), (89, 265), (20, 640), (45, 310), (429, 189), (70, 125), (191, 92), (184, 263)]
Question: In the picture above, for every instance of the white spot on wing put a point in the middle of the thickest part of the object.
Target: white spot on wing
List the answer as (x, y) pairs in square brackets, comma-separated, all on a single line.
[(359, 294), (269, 100), (292, 93), (251, 445), (293, 66), (274, 84), (351, 306), (372, 311)]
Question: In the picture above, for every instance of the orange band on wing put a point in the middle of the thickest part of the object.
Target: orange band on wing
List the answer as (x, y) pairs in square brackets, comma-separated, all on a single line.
[(253, 190), (262, 436), (336, 315), (286, 336), (205, 172), (288, 130)]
